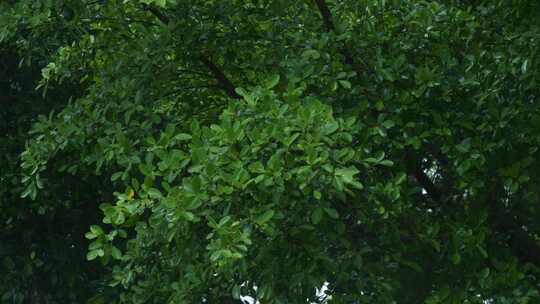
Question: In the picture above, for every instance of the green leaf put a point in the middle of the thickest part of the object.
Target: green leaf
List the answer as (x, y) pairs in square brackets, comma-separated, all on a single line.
[(347, 174), (182, 137), (330, 127), (96, 230), (30, 191), (154, 193), (464, 146), (456, 258), (95, 245), (160, 3), (524, 66), (289, 140), (265, 217), (316, 215), (119, 218), (116, 176), (484, 273), (90, 235), (358, 262), (332, 213), (241, 91), (236, 292), (272, 81), (256, 167), (387, 163), (388, 124), (345, 84), (92, 255), (215, 255), (116, 253), (401, 178), (311, 54)]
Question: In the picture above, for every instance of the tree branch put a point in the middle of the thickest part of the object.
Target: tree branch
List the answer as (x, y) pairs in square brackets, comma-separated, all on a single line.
[(156, 12), (8, 98), (330, 27), (223, 82), (521, 243), (414, 167), (326, 15)]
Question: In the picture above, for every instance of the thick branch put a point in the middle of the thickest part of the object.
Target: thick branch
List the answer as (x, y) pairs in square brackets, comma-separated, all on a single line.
[(8, 99), (426, 183), (414, 168), (156, 12), (223, 82), (329, 25), (326, 15), (521, 243)]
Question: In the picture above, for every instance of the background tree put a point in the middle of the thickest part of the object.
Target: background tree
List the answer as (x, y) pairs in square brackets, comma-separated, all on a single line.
[(388, 148), (42, 244)]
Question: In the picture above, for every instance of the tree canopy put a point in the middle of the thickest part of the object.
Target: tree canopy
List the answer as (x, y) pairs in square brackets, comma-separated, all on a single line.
[(166, 151)]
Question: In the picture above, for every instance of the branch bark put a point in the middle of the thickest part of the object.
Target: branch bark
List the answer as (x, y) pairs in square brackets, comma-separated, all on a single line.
[(414, 168), (326, 15), (8, 99), (223, 82), (156, 12), (330, 27), (521, 243)]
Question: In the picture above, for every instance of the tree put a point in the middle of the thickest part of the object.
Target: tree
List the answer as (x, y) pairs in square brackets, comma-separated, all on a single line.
[(42, 244), (216, 149)]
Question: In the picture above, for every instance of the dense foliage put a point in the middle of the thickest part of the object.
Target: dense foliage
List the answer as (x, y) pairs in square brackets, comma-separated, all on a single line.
[(164, 151)]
